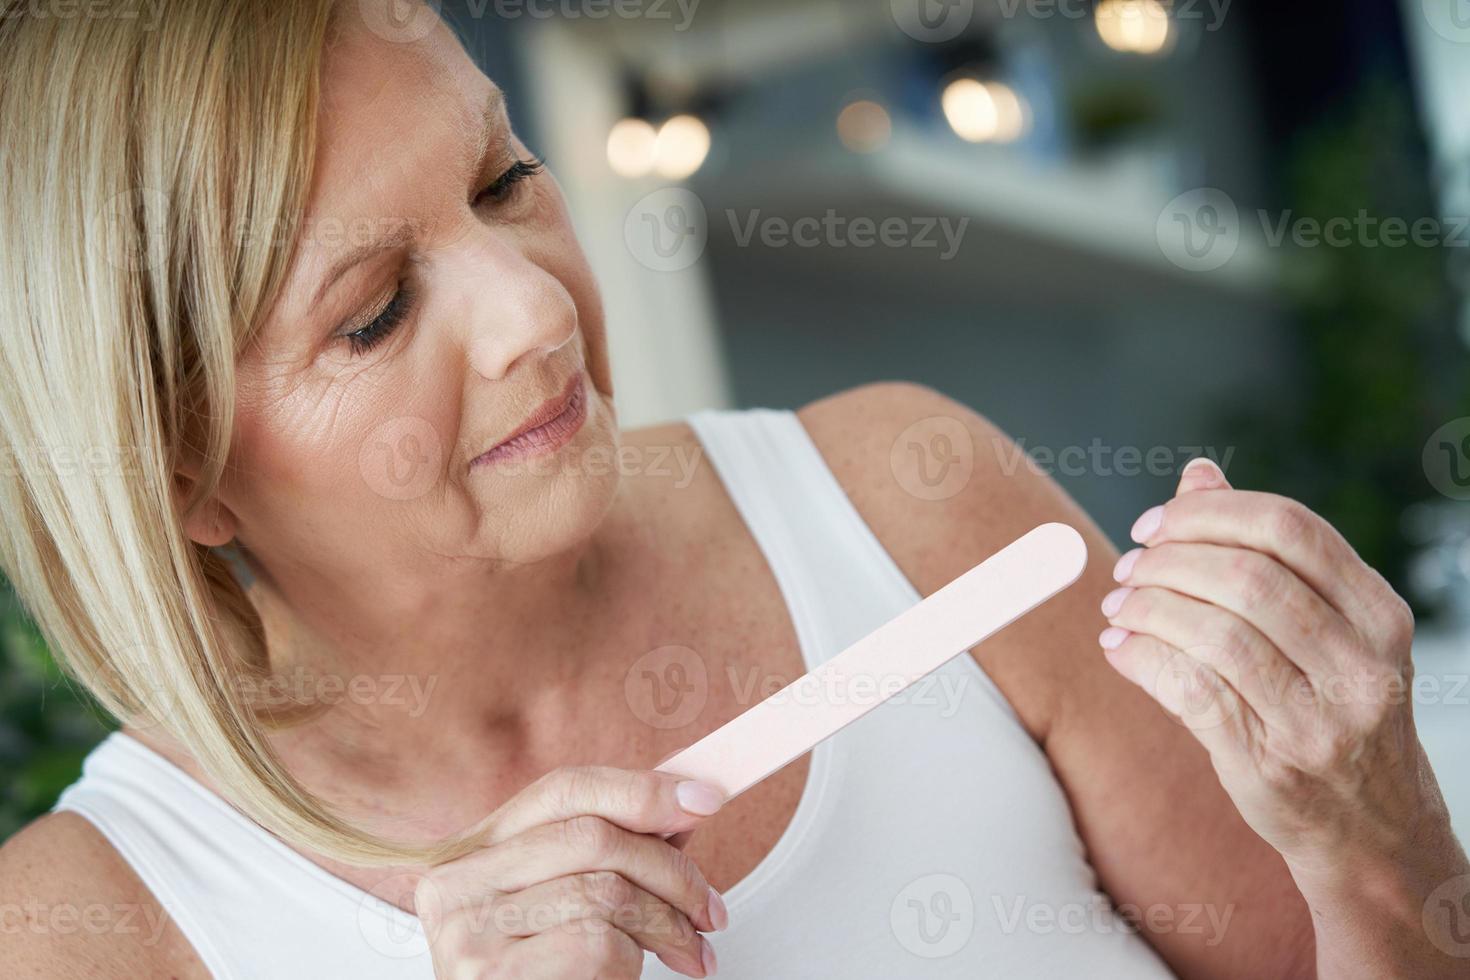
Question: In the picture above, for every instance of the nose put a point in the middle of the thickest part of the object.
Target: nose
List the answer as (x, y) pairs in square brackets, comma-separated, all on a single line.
[(514, 308)]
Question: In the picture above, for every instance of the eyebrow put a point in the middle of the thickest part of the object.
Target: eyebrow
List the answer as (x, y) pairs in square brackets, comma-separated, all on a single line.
[(400, 236)]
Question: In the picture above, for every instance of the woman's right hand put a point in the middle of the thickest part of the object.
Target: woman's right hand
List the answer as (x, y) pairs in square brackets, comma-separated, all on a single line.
[(576, 880)]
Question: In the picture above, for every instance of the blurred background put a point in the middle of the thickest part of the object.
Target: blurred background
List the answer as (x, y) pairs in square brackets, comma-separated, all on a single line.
[(1129, 232)]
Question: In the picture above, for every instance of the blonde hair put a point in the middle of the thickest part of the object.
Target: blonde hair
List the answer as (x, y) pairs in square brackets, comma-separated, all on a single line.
[(140, 153)]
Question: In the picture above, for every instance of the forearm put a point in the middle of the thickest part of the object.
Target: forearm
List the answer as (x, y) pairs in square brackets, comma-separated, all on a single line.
[(1394, 911)]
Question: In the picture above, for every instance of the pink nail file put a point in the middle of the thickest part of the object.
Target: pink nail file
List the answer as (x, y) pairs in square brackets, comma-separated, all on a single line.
[(919, 640)]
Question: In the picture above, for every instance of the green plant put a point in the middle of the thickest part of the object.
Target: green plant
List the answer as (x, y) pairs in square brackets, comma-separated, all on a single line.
[(47, 725), (1380, 367)]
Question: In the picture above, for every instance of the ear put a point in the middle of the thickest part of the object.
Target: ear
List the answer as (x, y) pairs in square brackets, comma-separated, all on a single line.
[(212, 524), (1201, 473)]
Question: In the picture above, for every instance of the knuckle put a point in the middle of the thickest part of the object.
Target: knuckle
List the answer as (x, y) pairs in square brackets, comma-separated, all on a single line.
[(590, 836), (687, 870), (1401, 620), (1256, 581), (1289, 522), (606, 889)]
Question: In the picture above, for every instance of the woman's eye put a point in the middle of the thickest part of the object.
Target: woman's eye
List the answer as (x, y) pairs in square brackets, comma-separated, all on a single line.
[(367, 337), (501, 187)]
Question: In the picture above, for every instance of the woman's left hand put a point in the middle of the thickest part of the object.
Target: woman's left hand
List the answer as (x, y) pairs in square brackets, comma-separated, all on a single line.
[(1254, 623)]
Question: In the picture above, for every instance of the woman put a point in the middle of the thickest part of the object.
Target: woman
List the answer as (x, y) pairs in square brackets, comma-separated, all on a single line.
[(375, 367)]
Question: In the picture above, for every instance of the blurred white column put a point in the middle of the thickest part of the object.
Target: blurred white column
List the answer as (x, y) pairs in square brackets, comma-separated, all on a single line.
[(661, 324), (1438, 33)]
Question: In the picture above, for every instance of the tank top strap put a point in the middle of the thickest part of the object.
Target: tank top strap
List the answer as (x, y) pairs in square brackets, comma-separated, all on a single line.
[(836, 577)]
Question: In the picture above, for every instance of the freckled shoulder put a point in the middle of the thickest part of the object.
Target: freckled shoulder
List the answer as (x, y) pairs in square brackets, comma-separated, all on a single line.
[(71, 906), (936, 533)]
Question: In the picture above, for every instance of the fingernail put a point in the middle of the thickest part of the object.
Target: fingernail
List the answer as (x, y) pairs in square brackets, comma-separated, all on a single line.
[(1201, 465), (1124, 568), (719, 916), (1113, 601), (698, 798), (1147, 523), (1112, 637), (711, 965)]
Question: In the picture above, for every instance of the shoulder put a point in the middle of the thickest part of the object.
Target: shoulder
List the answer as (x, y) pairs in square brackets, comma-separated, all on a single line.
[(943, 488), (71, 906)]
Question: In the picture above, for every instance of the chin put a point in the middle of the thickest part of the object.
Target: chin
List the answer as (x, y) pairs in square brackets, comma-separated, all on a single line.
[(544, 506)]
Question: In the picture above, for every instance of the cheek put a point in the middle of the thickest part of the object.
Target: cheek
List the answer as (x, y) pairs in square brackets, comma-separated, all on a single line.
[(342, 449)]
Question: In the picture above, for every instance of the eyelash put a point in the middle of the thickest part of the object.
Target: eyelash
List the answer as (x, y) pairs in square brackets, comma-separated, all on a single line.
[(377, 330)]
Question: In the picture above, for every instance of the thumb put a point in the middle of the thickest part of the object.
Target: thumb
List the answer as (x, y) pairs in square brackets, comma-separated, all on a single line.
[(1201, 473)]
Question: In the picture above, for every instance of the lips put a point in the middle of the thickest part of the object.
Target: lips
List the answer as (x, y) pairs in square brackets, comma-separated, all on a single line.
[(551, 411)]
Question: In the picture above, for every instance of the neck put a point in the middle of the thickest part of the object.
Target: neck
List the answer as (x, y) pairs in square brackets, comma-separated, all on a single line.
[(485, 673)]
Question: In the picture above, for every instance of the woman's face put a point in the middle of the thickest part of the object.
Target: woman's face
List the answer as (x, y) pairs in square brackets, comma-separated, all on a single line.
[(438, 299)]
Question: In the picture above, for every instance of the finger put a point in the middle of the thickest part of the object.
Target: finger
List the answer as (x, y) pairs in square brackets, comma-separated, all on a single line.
[(680, 839), (1229, 646), (1283, 529), (557, 955), (639, 800), (1201, 473), (604, 900), (1191, 692), (584, 844), (1253, 586)]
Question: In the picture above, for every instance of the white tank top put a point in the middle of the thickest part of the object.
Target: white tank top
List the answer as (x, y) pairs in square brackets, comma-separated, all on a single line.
[(931, 839)]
